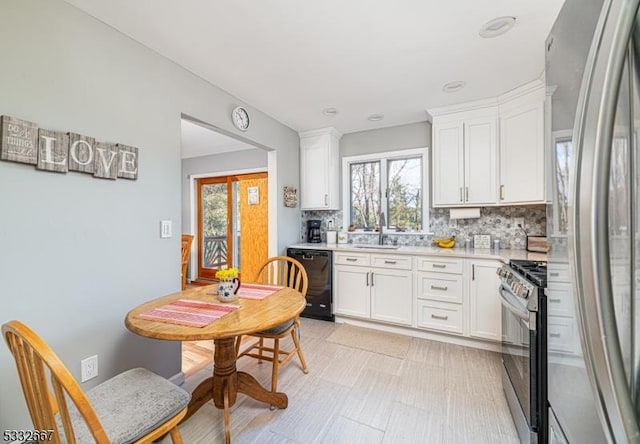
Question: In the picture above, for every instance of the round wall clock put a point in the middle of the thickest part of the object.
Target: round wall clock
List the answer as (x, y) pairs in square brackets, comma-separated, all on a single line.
[(240, 118)]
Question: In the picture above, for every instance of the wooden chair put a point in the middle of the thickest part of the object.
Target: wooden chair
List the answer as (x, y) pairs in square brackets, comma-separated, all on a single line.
[(136, 406), (288, 272), (187, 240)]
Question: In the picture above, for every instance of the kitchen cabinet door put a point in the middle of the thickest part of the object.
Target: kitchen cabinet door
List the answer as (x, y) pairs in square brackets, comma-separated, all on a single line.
[(480, 161), (351, 289), (448, 163), (484, 301), (319, 175), (392, 295), (522, 151)]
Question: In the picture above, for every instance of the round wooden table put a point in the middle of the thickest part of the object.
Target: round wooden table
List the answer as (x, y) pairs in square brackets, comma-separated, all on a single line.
[(252, 316)]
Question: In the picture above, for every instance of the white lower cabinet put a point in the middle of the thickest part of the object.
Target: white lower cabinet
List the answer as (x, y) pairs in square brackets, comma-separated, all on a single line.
[(452, 295), (485, 308), (391, 295), (441, 316), (352, 291), (378, 293), (440, 294)]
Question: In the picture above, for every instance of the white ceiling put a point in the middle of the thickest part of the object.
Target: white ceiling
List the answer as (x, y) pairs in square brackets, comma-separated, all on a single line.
[(292, 58), (199, 141)]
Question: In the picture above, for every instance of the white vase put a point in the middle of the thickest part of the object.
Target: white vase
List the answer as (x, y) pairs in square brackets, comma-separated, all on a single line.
[(228, 289)]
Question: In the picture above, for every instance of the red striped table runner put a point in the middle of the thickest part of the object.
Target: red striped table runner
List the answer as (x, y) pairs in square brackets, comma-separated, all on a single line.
[(188, 312), (257, 291)]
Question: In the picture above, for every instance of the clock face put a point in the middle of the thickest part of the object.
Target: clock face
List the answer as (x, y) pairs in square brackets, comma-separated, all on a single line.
[(240, 118)]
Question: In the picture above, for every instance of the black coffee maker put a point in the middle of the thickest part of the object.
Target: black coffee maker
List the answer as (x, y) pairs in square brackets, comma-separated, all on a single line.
[(313, 231)]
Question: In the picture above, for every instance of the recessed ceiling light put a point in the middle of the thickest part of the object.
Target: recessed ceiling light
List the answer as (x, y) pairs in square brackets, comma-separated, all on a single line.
[(375, 117), (497, 26), (330, 112), (454, 86)]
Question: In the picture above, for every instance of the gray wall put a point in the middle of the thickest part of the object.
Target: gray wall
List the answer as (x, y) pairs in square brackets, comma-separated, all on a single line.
[(393, 138), (76, 253), (216, 163)]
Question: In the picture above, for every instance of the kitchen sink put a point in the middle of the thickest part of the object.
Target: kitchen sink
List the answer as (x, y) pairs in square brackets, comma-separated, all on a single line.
[(378, 247)]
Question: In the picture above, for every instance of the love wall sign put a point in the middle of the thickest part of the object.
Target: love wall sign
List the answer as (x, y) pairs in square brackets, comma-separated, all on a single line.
[(22, 141)]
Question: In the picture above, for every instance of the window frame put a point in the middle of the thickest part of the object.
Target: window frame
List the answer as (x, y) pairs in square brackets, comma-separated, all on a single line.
[(384, 158)]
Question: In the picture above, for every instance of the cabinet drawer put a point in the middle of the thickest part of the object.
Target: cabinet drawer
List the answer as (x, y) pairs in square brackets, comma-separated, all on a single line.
[(447, 265), (351, 259), (560, 300), (561, 335), (558, 272), (386, 261), (439, 287), (439, 316)]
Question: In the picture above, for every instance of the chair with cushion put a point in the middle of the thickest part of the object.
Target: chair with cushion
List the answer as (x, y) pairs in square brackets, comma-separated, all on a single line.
[(136, 406), (187, 240), (287, 272)]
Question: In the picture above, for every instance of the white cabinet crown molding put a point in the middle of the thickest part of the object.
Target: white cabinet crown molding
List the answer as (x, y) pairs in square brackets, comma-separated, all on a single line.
[(321, 131)]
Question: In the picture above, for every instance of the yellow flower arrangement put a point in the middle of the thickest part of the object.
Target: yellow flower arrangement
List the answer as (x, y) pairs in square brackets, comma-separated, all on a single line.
[(227, 273)]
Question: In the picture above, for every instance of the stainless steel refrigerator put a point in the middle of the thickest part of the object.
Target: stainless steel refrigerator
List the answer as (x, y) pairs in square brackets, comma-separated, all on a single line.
[(593, 222)]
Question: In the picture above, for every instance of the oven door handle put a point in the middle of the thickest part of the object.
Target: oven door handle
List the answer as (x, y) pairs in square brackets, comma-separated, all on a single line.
[(508, 300)]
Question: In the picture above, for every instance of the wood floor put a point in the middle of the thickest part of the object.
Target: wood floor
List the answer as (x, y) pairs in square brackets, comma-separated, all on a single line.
[(439, 393)]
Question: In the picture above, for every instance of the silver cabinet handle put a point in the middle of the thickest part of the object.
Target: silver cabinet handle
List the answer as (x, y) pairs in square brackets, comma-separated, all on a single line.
[(554, 335), (554, 300), (367, 278), (461, 199), (473, 272), (554, 274), (390, 262), (435, 287), (501, 192), (326, 200), (593, 137), (443, 318), (351, 259), (372, 278), (438, 265)]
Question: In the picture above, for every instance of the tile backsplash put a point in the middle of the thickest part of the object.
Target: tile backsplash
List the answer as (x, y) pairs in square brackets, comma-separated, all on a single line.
[(495, 221)]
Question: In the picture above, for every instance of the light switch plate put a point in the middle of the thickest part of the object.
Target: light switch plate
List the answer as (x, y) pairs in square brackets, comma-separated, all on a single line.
[(165, 229)]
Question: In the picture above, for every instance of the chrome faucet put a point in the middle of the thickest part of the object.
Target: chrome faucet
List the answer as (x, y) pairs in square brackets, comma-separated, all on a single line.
[(381, 223)]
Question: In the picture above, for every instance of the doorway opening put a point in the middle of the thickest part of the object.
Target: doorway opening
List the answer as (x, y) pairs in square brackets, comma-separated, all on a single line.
[(232, 214)]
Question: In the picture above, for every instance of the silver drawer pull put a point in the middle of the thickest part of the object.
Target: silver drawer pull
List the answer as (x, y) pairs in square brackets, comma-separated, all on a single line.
[(554, 335), (435, 287), (438, 265), (555, 300), (443, 318), (390, 262), (351, 259), (554, 274)]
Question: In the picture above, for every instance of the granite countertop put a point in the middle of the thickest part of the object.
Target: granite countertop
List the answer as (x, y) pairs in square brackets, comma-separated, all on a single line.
[(504, 255)]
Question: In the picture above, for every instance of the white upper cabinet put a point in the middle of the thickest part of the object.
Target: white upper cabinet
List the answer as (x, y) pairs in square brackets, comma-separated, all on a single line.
[(522, 178), (464, 158), (319, 169), (490, 152)]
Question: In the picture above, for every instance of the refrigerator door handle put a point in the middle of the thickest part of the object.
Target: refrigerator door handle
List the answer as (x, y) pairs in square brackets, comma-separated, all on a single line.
[(593, 137)]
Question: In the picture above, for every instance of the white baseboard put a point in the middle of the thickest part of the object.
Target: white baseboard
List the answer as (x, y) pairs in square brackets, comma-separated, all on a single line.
[(178, 379), (408, 331)]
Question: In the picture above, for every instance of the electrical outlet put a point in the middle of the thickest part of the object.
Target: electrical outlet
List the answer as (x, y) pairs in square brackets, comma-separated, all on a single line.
[(89, 368), (453, 223), (518, 222)]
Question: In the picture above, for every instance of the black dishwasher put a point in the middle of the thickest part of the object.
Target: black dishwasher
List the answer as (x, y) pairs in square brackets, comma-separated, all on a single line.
[(318, 264)]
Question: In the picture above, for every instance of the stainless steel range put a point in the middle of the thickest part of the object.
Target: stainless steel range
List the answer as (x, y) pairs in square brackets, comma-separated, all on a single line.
[(524, 346)]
